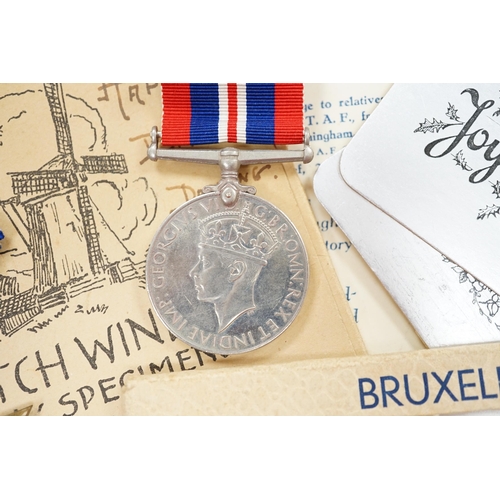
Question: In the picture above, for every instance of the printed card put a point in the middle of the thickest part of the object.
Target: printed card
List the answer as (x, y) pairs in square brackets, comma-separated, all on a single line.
[(445, 304), (429, 158)]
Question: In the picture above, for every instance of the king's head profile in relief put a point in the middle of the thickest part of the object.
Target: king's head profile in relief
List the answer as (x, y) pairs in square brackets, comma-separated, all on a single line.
[(232, 251)]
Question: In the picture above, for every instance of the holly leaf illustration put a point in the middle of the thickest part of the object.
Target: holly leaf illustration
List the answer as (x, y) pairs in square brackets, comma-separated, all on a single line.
[(487, 212), (452, 112), (461, 161), (432, 127), (496, 188)]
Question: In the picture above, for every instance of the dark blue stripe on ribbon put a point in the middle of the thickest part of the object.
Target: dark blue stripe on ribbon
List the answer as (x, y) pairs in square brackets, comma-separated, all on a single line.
[(204, 113), (260, 113)]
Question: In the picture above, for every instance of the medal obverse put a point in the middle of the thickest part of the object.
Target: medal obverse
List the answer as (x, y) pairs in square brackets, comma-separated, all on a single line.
[(227, 272), (227, 280)]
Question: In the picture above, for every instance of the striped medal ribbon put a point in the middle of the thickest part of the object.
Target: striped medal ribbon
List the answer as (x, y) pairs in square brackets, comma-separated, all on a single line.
[(248, 113)]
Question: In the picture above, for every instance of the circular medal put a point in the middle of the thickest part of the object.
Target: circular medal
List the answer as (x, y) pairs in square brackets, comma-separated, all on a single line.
[(227, 279)]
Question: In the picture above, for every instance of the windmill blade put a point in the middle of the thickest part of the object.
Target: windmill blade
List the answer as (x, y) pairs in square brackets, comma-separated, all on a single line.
[(104, 164), (55, 98)]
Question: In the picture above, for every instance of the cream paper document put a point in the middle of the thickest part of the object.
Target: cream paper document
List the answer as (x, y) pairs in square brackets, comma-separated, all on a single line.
[(334, 112)]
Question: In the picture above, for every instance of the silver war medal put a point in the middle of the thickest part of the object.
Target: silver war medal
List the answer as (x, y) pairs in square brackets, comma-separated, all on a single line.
[(227, 272)]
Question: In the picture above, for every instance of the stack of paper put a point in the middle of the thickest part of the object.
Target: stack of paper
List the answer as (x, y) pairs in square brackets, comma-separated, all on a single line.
[(417, 191)]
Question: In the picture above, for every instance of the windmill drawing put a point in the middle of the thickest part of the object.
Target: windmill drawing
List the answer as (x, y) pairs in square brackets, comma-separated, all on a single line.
[(60, 226)]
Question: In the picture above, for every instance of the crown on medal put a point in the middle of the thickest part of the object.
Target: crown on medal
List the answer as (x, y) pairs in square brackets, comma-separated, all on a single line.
[(240, 233)]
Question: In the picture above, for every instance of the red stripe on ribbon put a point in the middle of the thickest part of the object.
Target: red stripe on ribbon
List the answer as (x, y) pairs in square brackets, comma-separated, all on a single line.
[(232, 98), (176, 122), (288, 113)]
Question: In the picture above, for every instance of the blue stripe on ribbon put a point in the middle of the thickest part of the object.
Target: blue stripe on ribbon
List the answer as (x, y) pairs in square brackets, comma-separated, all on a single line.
[(260, 113), (204, 113)]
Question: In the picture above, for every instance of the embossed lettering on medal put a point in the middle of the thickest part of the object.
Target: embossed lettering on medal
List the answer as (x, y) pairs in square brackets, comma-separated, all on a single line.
[(227, 280)]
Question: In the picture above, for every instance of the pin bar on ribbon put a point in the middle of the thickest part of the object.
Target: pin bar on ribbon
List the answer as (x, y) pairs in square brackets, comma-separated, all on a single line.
[(251, 113)]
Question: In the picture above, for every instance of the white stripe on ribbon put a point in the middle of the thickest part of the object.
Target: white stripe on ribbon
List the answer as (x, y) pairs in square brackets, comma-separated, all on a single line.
[(223, 112), (241, 125)]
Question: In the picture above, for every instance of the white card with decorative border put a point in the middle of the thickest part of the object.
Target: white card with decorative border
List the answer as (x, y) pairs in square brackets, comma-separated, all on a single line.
[(428, 157)]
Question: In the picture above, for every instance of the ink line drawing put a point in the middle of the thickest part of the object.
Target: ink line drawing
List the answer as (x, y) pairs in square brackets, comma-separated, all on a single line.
[(435, 126), (61, 226), (486, 300)]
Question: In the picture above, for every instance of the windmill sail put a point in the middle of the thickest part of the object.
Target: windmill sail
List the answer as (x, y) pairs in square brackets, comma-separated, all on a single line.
[(55, 98)]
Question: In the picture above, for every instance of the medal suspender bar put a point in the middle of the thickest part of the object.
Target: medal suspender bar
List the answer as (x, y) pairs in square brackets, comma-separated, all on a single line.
[(219, 281)]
